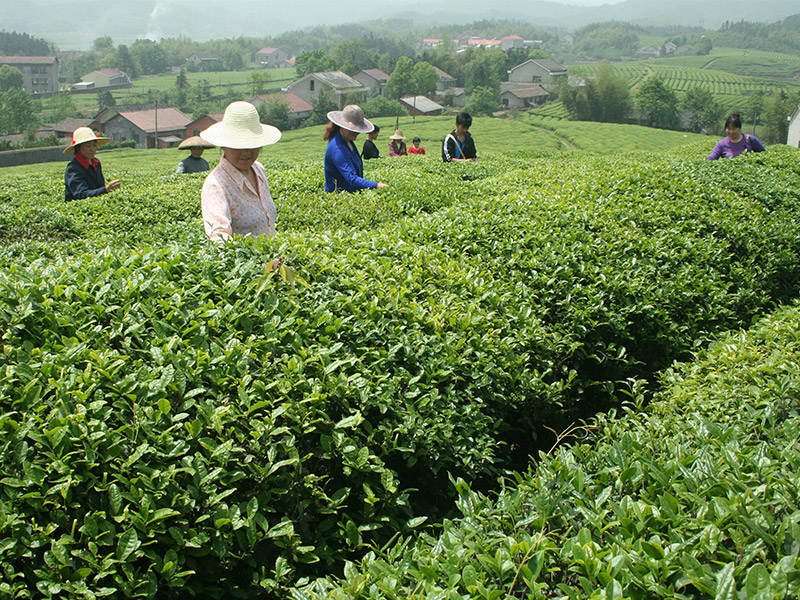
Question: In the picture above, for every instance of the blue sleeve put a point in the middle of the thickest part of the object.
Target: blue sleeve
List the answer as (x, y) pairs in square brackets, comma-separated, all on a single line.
[(345, 167), (77, 184)]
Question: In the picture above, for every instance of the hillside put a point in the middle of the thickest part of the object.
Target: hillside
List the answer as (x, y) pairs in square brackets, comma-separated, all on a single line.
[(66, 24)]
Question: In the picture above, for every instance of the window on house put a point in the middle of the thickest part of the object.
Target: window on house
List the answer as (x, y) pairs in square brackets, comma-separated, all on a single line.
[(311, 85)]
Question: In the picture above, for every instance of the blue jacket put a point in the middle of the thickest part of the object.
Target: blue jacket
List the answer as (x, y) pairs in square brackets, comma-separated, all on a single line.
[(80, 182), (343, 167)]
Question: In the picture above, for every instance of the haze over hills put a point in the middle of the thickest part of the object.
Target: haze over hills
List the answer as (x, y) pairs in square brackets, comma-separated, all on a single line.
[(74, 24)]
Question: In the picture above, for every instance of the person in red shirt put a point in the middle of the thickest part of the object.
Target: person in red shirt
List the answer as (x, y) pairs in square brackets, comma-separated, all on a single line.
[(84, 175), (415, 147)]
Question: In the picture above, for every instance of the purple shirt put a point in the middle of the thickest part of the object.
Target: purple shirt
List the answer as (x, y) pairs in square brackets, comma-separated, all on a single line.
[(725, 148)]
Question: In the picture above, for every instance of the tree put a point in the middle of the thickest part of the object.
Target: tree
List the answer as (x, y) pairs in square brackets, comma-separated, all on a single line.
[(424, 78), (703, 110), (103, 44), (62, 106), (10, 78), (16, 111), (483, 101), (657, 104), (753, 111), (777, 111), (105, 99), (612, 97), (313, 61), (401, 81), (383, 107), (149, 56), (125, 61), (323, 104), (703, 47), (258, 81), (485, 70), (276, 112)]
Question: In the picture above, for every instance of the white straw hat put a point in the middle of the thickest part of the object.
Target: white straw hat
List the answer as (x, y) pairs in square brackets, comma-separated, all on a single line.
[(82, 135), (240, 128), (398, 135), (351, 117)]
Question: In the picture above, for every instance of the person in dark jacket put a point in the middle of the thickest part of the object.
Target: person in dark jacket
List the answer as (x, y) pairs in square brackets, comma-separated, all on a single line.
[(194, 163), (370, 150), (458, 146), (84, 175), (344, 169)]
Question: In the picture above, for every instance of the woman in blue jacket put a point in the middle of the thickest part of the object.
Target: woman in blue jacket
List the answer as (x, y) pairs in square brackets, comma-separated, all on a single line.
[(344, 170)]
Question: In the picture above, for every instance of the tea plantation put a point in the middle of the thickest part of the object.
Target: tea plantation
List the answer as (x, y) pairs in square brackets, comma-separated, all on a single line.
[(177, 420)]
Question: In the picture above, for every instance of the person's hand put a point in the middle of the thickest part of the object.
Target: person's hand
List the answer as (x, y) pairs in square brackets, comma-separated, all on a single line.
[(112, 185), (381, 185)]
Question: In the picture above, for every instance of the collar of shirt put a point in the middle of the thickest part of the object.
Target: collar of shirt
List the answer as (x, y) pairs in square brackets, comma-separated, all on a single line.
[(85, 163), (237, 176)]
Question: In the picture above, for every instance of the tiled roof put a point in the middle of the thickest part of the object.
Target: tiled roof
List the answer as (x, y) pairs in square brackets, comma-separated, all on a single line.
[(422, 104), (168, 119), (27, 60), (295, 102), (377, 74)]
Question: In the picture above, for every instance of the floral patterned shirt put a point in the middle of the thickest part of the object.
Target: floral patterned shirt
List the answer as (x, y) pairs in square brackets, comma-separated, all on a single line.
[(232, 207)]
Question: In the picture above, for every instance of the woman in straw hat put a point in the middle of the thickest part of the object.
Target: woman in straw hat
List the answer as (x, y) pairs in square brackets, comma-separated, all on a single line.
[(344, 170), (84, 175), (235, 197), (397, 147), (194, 163)]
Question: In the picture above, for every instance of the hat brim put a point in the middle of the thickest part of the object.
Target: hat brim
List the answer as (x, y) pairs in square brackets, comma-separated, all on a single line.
[(337, 118), (101, 141), (220, 134), (195, 142), (391, 137)]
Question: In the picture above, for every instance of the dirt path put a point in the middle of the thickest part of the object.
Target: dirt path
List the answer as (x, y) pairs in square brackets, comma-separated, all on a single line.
[(649, 70), (564, 141), (709, 63)]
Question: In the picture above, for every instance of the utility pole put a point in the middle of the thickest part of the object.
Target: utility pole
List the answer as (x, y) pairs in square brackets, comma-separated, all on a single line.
[(156, 140)]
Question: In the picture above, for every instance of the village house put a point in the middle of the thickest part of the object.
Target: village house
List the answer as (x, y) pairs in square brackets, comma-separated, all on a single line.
[(429, 43), (455, 96), (155, 128), (444, 82), (538, 70), (511, 41), (201, 124), (39, 73), (272, 58), (647, 52), (793, 135), (374, 79), (65, 127), (484, 43), (522, 95), (418, 106), (204, 61), (340, 87), (104, 78), (299, 109)]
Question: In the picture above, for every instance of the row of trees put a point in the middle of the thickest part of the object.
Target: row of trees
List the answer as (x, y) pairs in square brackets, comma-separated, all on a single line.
[(608, 99)]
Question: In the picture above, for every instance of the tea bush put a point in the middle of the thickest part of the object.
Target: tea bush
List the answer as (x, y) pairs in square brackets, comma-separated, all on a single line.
[(694, 497), (176, 420)]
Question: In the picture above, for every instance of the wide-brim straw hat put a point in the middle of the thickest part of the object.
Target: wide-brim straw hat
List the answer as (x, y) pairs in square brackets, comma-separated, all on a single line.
[(240, 129), (397, 135), (195, 142), (351, 117), (82, 135)]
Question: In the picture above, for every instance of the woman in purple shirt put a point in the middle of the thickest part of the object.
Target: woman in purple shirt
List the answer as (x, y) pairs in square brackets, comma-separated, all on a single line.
[(737, 142)]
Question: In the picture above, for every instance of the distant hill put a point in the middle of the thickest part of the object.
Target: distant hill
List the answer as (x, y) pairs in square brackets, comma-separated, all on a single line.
[(74, 24)]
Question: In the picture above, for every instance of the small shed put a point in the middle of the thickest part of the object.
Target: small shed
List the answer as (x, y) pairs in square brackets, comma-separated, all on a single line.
[(418, 106)]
